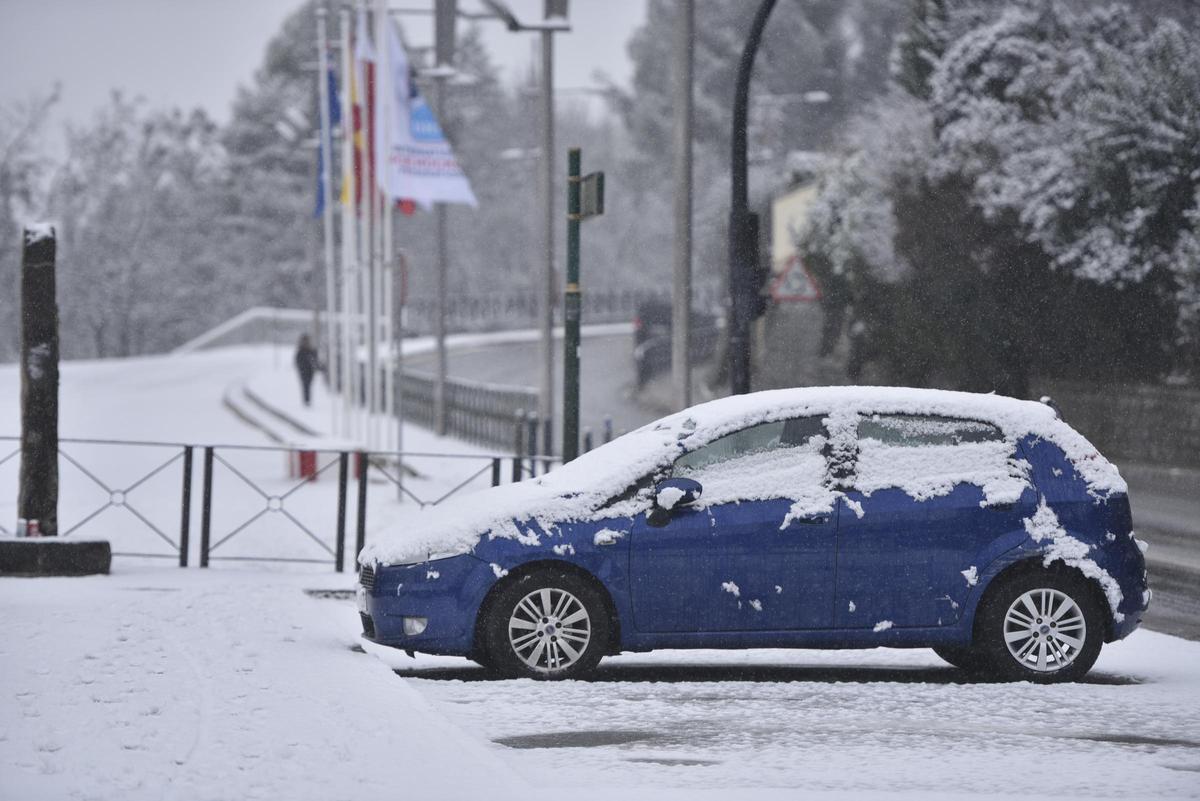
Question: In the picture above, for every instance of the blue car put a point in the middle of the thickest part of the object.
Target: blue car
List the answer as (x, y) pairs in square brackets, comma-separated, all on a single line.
[(980, 526)]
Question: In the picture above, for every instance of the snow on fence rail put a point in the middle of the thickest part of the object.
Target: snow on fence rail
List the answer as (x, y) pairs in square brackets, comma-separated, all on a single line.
[(255, 503), (464, 313)]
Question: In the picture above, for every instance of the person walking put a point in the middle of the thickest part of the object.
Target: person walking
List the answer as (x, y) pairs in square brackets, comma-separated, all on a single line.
[(307, 364)]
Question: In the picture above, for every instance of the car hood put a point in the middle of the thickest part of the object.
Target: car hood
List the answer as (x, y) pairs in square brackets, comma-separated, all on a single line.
[(572, 492)]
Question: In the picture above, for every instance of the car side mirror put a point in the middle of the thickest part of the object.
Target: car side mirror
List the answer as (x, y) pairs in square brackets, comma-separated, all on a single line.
[(673, 493)]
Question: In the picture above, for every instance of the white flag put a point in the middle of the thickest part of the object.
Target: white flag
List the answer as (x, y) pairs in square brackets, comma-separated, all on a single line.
[(419, 163)]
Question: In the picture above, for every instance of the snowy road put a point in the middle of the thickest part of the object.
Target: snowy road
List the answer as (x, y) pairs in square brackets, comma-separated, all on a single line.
[(606, 381), (871, 722)]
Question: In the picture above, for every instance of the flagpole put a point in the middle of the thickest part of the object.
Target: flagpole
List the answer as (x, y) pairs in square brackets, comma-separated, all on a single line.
[(365, 368), (382, 142), (327, 205), (372, 101), (349, 225), (393, 328), (400, 270)]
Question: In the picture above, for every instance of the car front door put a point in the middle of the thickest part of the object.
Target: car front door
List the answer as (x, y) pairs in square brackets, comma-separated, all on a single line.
[(756, 553), (927, 495)]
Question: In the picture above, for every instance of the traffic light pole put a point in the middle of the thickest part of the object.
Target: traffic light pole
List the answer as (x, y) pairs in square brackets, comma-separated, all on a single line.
[(585, 198), (743, 225), (571, 313)]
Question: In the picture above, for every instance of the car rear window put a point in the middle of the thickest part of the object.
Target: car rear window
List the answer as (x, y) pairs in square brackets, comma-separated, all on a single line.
[(914, 430), (928, 455)]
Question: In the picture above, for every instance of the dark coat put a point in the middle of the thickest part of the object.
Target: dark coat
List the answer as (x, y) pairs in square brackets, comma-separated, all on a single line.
[(307, 362)]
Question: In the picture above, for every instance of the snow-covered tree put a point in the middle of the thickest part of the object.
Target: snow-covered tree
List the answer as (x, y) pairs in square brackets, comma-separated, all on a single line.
[(1049, 225), (22, 167), (133, 244)]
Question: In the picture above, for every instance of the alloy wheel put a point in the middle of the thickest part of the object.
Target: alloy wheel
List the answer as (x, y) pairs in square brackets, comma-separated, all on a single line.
[(549, 629), (1044, 630)]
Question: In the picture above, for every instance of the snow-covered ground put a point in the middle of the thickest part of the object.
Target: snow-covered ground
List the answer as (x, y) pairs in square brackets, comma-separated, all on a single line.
[(161, 683), (158, 682)]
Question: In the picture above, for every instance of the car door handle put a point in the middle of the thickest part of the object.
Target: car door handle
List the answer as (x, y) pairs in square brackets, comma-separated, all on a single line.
[(606, 538), (812, 520)]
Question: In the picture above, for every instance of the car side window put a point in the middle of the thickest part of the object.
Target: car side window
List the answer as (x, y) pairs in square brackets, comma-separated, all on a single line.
[(916, 430), (755, 439), (781, 459), (928, 455)]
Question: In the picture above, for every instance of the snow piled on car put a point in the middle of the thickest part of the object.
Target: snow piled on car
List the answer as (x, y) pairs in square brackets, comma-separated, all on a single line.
[(1060, 546), (577, 491)]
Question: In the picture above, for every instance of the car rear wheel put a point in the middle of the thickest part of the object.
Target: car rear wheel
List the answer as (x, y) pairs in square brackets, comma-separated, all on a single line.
[(1042, 626), (547, 625)]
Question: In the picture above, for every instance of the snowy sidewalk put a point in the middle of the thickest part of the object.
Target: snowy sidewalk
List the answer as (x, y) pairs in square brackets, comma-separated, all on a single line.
[(180, 684)]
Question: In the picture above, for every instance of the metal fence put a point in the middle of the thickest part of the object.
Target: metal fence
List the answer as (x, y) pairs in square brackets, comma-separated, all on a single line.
[(255, 503), (149, 489), (495, 415), (475, 411), (492, 311)]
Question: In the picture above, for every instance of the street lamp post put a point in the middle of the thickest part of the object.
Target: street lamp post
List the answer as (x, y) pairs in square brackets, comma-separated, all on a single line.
[(743, 225), (554, 21), (681, 296)]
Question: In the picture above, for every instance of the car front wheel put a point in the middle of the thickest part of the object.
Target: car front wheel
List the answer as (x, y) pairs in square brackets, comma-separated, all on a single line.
[(1042, 626), (547, 625)]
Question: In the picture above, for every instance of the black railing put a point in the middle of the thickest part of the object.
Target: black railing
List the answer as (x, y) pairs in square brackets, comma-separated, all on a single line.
[(475, 411), (257, 503), (139, 481), (489, 312)]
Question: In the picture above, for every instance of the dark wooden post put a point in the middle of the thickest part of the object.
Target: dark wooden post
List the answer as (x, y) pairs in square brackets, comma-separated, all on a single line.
[(37, 497)]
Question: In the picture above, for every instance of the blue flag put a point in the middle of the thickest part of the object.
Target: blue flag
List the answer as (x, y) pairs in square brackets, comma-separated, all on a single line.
[(335, 118)]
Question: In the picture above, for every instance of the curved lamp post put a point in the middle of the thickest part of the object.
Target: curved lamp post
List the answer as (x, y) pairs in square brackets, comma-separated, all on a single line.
[(743, 225)]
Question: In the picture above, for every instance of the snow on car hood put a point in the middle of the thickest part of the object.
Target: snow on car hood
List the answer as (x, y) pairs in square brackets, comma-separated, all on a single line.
[(576, 491)]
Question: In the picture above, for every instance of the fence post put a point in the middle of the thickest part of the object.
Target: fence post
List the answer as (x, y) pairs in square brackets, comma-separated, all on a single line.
[(360, 534), (495, 471), (548, 442), (608, 428), (185, 522), (587, 439), (206, 506), (343, 469), (531, 441), (518, 445)]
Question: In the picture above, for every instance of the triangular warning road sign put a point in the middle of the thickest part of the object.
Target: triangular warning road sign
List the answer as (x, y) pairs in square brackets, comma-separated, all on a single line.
[(795, 284)]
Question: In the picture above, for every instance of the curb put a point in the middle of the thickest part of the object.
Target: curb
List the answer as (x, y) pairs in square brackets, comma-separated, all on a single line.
[(50, 556)]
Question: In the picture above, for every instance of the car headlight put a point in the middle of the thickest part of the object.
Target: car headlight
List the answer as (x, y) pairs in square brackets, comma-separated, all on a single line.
[(415, 625)]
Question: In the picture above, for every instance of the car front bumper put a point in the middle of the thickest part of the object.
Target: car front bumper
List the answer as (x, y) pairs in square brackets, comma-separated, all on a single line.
[(446, 593)]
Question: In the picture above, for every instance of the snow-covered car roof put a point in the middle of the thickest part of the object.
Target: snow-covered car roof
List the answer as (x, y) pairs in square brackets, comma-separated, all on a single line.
[(576, 490)]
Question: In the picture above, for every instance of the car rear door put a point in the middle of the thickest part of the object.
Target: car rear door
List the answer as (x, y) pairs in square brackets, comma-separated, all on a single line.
[(757, 553), (927, 495)]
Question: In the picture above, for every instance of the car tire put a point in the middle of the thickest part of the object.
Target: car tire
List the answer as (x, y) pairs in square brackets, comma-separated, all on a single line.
[(1042, 625), (962, 657), (547, 624)]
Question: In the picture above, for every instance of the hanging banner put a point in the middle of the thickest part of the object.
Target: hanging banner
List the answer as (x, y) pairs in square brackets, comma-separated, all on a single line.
[(418, 162)]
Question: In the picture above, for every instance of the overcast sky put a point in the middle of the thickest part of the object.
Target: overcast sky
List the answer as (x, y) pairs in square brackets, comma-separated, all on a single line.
[(197, 52)]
